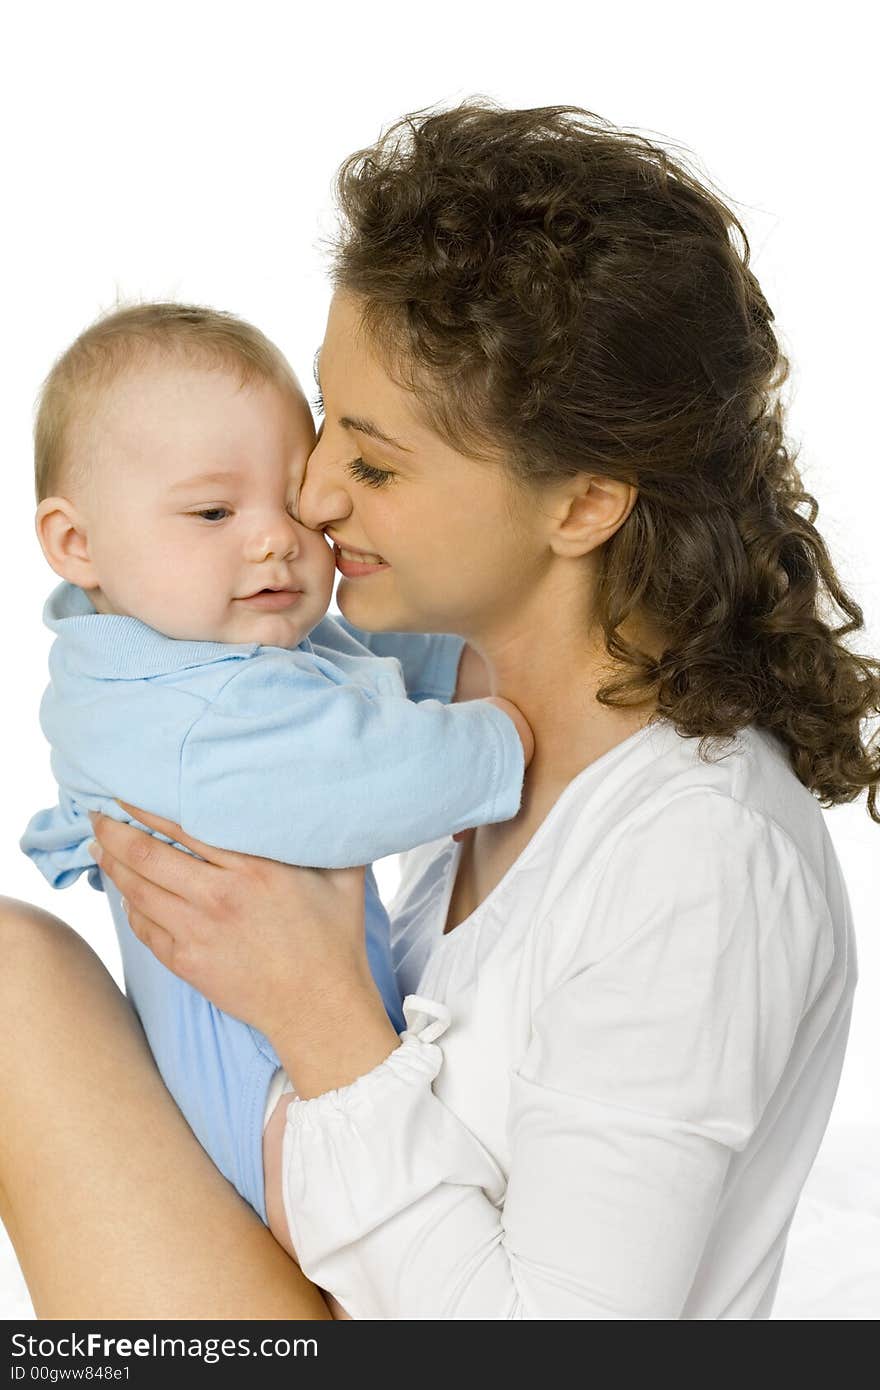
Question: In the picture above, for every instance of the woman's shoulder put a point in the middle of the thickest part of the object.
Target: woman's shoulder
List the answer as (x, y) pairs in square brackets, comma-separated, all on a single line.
[(666, 786), (671, 844), (656, 853), (689, 804)]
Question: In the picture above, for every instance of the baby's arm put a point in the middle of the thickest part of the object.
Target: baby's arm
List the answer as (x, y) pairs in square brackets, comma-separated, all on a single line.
[(291, 766), (429, 661), (521, 724)]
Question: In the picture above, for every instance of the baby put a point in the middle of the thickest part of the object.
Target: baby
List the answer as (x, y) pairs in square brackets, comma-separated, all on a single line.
[(194, 671)]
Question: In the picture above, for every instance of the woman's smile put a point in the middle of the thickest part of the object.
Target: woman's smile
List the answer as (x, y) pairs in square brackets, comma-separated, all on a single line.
[(352, 563)]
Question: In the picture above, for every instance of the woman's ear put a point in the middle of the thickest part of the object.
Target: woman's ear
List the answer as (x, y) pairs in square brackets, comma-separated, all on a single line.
[(64, 540), (588, 511)]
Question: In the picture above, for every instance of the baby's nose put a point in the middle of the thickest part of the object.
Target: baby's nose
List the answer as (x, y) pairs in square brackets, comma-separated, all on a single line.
[(275, 543)]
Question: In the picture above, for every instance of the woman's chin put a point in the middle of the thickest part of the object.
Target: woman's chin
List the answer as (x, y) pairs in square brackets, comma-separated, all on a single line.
[(373, 612)]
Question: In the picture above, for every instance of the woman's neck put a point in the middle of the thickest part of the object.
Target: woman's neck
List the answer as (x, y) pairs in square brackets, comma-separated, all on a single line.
[(553, 674)]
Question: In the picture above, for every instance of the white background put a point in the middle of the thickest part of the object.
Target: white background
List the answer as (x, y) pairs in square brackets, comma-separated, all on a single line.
[(187, 150)]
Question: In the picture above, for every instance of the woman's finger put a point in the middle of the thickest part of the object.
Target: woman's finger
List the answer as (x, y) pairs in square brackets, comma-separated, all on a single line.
[(211, 853), (153, 860), (154, 937), (143, 894)]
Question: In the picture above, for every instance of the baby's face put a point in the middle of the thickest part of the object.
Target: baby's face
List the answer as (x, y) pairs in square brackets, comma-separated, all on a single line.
[(189, 501)]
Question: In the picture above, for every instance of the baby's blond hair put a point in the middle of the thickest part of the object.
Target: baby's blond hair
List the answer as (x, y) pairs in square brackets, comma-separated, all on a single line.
[(128, 337)]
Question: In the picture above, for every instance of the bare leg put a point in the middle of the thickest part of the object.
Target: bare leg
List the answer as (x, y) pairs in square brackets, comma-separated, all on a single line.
[(113, 1207)]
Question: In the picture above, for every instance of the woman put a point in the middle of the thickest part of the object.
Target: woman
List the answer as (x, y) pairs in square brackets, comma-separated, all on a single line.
[(552, 429)]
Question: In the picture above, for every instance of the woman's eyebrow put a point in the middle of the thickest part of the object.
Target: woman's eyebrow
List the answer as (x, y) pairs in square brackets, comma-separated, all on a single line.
[(357, 422)]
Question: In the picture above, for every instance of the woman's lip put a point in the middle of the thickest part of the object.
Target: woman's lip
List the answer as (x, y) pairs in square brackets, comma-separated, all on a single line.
[(353, 569), (353, 549)]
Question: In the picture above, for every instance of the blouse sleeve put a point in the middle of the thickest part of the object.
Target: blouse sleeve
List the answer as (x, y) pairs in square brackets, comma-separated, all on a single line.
[(654, 1051)]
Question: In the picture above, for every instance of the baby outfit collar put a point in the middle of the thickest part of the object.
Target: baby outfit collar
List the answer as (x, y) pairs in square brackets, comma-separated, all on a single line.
[(112, 646)]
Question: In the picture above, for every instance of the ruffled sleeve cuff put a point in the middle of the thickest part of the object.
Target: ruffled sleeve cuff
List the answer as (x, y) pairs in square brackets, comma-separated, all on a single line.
[(355, 1157)]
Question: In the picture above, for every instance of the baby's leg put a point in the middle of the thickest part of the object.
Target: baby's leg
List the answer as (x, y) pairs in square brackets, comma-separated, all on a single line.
[(273, 1140), (217, 1068)]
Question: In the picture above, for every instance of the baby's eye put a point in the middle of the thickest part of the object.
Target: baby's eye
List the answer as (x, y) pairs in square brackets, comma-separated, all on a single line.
[(213, 513), (366, 473)]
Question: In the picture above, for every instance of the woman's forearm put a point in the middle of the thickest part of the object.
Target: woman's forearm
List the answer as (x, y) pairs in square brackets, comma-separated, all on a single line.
[(343, 1033)]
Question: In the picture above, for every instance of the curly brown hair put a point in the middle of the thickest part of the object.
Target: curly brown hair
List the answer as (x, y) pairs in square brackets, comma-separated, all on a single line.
[(563, 290)]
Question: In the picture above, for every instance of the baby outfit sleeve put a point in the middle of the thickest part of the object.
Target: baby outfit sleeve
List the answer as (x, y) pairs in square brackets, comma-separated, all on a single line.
[(664, 1029), (53, 840), (289, 765), (428, 660)]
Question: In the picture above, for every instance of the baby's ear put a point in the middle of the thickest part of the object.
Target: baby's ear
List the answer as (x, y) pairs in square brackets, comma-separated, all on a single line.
[(64, 541)]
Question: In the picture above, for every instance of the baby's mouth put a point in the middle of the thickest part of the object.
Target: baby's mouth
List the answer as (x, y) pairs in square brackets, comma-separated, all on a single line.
[(274, 589), (272, 598)]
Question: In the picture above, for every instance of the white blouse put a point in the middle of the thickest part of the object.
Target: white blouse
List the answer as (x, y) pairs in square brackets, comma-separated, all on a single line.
[(616, 1072)]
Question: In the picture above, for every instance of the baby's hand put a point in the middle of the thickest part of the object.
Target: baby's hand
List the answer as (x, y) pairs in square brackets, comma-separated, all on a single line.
[(526, 738), (523, 727)]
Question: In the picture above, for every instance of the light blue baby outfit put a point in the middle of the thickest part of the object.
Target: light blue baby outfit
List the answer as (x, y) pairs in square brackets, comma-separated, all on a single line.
[(311, 756)]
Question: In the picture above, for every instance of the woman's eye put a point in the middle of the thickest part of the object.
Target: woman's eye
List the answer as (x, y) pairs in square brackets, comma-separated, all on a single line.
[(365, 473), (213, 513), (318, 402)]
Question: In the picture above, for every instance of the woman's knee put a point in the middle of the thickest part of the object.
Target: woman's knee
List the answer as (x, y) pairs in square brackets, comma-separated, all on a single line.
[(59, 1005), (43, 961)]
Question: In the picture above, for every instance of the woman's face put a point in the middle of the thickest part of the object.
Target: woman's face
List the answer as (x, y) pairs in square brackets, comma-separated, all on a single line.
[(462, 548)]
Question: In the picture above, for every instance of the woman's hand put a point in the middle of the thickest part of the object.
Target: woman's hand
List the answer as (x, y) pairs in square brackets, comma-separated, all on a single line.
[(263, 941)]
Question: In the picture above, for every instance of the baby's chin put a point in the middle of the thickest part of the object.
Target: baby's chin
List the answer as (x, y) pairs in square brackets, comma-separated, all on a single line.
[(280, 629), (269, 634)]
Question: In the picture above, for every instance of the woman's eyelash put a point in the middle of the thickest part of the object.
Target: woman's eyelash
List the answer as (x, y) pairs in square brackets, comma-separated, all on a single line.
[(365, 473)]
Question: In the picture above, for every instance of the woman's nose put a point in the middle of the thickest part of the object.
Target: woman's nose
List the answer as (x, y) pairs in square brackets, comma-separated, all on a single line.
[(322, 497)]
